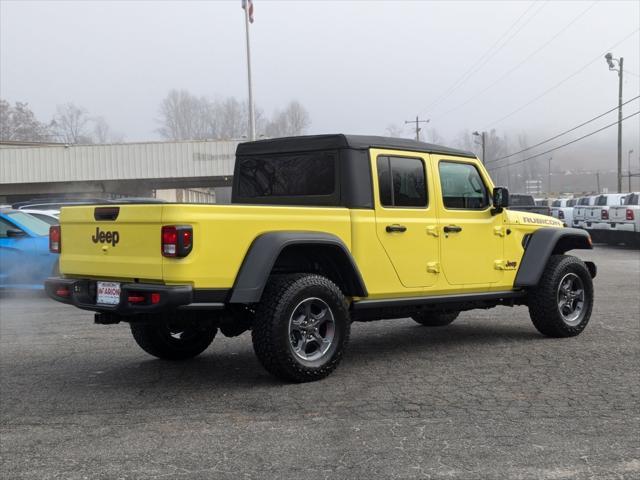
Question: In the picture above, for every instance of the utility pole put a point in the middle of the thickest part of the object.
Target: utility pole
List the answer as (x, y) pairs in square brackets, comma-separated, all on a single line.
[(483, 139), (620, 61), (598, 180), (549, 178), (629, 166), (417, 121)]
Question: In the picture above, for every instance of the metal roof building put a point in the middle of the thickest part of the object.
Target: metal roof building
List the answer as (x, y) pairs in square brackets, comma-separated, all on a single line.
[(119, 168)]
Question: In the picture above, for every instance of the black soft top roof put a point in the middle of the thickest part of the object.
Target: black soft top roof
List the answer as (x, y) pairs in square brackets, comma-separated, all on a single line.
[(307, 143)]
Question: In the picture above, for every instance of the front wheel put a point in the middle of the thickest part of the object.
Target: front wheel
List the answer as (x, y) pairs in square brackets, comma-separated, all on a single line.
[(301, 327), (561, 304), (172, 338)]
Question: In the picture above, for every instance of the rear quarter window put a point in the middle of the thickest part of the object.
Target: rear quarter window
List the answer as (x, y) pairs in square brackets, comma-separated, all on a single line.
[(290, 175)]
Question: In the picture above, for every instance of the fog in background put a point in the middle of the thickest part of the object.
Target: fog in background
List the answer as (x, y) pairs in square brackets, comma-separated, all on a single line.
[(527, 69)]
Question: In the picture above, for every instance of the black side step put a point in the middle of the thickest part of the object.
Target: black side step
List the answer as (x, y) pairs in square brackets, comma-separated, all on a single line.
[(436, 299)]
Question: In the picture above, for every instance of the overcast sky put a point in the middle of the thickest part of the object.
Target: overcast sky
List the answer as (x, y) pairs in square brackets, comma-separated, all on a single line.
[(357, 66)]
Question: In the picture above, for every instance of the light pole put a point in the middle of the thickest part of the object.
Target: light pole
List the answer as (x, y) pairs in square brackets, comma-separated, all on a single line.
[(482, 136), (549, 179), (612, 66), (629, 166)]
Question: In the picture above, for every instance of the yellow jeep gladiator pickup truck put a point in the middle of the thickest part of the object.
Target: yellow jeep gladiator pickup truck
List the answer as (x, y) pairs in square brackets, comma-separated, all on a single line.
[(322, 231)]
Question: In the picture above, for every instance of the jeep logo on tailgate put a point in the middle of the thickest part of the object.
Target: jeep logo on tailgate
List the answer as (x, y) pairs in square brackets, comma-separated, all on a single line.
[(105, 237)]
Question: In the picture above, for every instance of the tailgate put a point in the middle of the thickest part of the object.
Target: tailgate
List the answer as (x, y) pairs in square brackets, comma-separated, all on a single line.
[(618, 214), (116, 241), (592, 213)]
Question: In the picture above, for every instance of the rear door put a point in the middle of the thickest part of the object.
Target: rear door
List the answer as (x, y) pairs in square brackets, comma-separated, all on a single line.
[(121, 242), (405, 215), (472, 239)]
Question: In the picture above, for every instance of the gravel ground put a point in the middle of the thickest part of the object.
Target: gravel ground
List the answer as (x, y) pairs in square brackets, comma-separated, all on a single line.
[(486, 397)]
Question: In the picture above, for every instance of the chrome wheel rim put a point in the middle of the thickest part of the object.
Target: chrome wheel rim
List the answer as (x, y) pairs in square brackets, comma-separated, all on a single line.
[(312, 329), (570, 299)]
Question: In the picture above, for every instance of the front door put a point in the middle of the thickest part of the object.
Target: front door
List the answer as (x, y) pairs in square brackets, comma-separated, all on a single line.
[(472, 239), (405, 216)]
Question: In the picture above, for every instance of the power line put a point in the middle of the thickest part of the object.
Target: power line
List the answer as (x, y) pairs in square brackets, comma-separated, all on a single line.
[(563, 145), (488, 55), (561, 82), (522, 62), (563, 133)]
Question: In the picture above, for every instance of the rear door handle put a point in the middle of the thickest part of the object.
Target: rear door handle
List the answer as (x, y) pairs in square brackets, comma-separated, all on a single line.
[(452, 229), (396, 228)]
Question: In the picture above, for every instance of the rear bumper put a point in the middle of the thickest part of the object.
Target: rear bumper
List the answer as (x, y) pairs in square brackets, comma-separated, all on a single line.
[(82, 294), (598, 226)]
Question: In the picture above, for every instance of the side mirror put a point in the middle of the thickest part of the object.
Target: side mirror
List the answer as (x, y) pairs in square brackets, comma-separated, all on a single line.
[(500, 199), (14, 233)]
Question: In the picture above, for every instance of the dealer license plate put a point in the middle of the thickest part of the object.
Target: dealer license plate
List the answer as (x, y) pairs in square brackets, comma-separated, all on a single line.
[(108, 293)]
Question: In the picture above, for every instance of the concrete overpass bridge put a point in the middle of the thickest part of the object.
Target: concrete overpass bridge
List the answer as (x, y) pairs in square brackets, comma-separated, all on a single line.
[(132, 169)]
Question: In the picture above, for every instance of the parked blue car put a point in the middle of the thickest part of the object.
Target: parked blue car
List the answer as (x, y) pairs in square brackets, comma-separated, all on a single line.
[(25, 260)]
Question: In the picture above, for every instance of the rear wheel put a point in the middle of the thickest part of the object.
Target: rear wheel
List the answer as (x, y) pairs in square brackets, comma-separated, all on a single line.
[(561, 304), (432, 319), (172, 338), (301, 327)]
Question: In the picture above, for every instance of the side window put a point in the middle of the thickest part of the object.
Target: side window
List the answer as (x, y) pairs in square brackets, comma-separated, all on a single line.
[(462, 186), (401, 181), (4, 226)]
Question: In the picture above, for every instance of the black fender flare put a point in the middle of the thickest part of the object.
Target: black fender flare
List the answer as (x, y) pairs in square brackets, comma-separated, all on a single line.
[(264, 251), (545, 242)]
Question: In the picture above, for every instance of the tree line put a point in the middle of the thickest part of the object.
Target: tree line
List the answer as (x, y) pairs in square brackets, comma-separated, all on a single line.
[(70, 124), (182, 116)]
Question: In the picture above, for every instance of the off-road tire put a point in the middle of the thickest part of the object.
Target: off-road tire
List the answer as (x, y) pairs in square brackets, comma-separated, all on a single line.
[(543, 299), (157, 337), (271, 329), (433, 319)]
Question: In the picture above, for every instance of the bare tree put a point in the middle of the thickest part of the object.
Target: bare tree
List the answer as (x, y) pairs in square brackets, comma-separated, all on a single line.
[(72, 124), (433, 136), (395, 131), (18, 123), (297, 118), (293, 120), (232, 118), (102, 132), (184, 116)]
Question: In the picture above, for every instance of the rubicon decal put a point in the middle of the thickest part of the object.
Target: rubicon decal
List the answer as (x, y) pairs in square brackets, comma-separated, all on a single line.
[(541, 221), (106, 237)]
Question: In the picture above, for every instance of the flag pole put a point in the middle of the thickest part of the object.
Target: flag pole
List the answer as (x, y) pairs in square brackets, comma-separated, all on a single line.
[(252, 114)]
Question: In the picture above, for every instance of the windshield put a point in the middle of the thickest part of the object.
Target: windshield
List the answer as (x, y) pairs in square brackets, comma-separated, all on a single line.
[(631, 199), (45, 218), (30, 222)]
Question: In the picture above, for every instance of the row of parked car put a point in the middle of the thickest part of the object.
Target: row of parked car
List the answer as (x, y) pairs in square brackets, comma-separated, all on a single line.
[(24, 247), (611, 218)]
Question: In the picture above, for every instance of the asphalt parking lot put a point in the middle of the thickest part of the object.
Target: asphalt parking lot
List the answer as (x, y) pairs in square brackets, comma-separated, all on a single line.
[(486, 397)]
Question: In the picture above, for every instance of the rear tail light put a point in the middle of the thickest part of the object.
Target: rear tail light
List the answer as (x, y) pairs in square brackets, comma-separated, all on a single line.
[(630, 214), (560, 214), (55, 239), (177, 241), (604, 214), (144, 298)]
